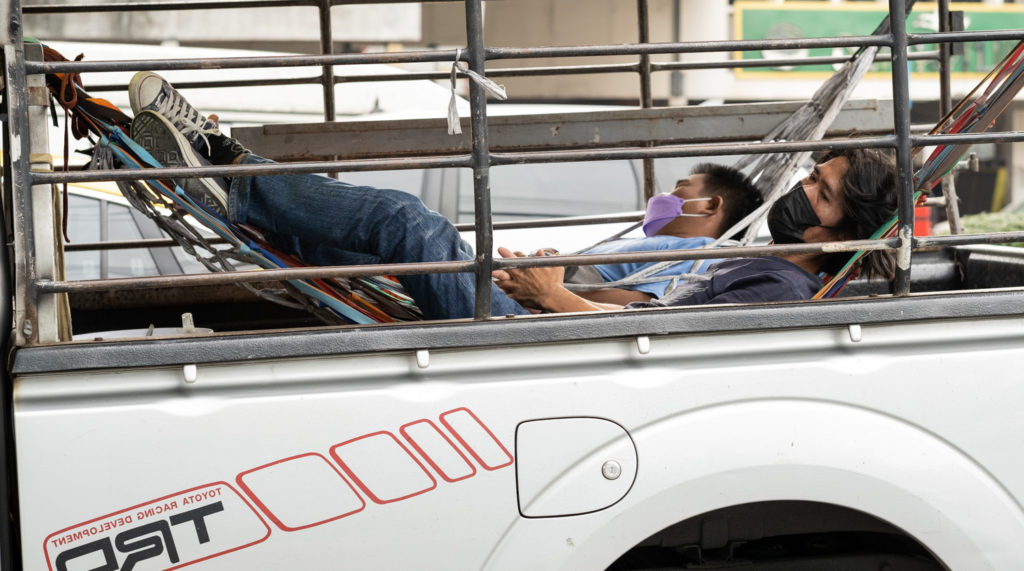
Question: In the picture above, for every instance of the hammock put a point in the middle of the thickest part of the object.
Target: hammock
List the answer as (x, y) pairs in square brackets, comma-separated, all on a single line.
[(974, 114), (361, 300), (772, 172), (380, 299)]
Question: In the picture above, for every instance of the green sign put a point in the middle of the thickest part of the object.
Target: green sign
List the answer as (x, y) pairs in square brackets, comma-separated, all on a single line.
[(758, 20)]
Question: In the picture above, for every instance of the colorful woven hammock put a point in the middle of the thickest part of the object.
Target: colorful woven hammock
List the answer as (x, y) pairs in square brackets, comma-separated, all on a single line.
[(360, 300)]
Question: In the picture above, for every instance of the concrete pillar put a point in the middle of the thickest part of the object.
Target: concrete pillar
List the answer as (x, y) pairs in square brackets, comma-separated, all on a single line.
[(705, 20)]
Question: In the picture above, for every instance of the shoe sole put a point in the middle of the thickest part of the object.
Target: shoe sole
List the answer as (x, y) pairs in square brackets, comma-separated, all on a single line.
[(135, 87), (154, 133)]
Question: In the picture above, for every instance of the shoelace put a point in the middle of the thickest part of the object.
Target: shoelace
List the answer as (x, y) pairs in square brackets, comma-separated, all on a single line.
[(185, 117), (68, 97)]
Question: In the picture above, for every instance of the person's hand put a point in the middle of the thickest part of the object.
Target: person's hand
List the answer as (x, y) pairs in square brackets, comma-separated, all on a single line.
[(529, 286)]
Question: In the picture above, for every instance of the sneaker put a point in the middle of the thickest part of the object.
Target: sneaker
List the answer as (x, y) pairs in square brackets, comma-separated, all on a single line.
[(168, 146), (148, 91)]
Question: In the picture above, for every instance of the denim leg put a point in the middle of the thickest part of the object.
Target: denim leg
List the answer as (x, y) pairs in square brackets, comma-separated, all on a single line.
[(304, 211)]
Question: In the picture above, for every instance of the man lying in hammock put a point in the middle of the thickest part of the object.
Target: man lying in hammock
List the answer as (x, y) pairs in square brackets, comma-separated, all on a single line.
[(846, 197), (327, 222)]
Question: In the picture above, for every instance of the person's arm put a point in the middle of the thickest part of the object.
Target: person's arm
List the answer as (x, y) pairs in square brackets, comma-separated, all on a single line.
[(616, 296), (542, 287)]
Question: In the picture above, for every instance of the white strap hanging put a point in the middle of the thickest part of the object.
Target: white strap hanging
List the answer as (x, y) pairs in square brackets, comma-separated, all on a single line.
[(454, 127)]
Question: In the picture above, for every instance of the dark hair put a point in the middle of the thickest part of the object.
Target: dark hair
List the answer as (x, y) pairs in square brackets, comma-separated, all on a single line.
[(869, 201), (739, 195)]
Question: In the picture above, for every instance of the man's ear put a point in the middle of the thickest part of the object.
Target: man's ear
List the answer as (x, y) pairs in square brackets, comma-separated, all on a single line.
[(716, 204)]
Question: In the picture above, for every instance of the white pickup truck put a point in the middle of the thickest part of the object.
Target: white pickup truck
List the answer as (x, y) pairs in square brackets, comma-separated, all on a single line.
[(871, 431), (849, 434)]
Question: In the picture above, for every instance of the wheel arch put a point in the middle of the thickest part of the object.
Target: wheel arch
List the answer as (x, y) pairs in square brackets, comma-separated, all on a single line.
[(769, 450)]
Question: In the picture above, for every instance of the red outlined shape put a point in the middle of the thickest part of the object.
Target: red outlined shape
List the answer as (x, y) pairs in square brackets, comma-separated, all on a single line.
[(46, 551), (462, 441), (270, 514), (430, 460), (362, 486)]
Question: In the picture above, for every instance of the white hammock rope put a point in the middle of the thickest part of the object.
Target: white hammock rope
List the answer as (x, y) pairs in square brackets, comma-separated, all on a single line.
[(498, 91)]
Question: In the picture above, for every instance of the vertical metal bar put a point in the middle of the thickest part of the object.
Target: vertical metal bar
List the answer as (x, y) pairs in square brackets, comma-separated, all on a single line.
[(945, 50), (956, 226), (17, 152), (945, 105), (644, 36), (327, 48), (646, 97), (901, 120), (45, 225), (16, 181), (481, 160)]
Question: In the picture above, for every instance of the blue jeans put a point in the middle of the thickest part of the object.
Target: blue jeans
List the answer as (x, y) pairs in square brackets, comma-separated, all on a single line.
[(326, 222)]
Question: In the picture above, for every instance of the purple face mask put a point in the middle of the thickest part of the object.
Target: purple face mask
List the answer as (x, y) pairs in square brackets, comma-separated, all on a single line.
[(665, 208)]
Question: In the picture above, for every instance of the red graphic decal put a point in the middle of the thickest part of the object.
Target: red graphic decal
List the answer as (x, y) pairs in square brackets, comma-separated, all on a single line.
[(176, 530), (476, 438), (297, 492), (382, 467), (437, 449), (301, 492)]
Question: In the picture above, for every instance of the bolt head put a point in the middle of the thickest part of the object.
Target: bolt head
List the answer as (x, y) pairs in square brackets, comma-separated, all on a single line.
[(611, 470)]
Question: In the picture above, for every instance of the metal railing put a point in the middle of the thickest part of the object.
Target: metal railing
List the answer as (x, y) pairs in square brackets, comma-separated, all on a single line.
[(33, 290)]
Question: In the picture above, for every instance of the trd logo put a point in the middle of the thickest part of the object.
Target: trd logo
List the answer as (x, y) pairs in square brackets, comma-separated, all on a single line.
[(157, 535), (144, 542)]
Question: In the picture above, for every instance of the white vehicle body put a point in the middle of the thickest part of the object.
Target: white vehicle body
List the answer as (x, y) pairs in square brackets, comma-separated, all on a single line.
[(451, 450)]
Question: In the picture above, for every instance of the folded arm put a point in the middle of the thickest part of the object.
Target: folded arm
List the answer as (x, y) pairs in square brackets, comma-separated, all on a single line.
[(542, 287)]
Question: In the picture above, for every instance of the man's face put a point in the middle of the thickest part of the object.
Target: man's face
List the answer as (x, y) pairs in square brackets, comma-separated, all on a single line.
[(689, 189), (824, 188)]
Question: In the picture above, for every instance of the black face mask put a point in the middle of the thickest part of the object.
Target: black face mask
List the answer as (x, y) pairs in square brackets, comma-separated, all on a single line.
[(791, 215)]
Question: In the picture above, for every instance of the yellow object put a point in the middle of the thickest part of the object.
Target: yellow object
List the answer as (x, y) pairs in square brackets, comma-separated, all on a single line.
[(999, 190)]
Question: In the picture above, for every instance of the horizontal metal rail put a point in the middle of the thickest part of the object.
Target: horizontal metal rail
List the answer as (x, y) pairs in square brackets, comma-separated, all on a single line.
[(668, 151), (467, 266), (513, 263), (494, 54), (525, 72), (969, 239), (559, 222), (463, 227), (449, 55), (971, 138), (190, 5), (130, 244), (763, 62), (956, 37), (440, 162), (240, 62), (248, 170)]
